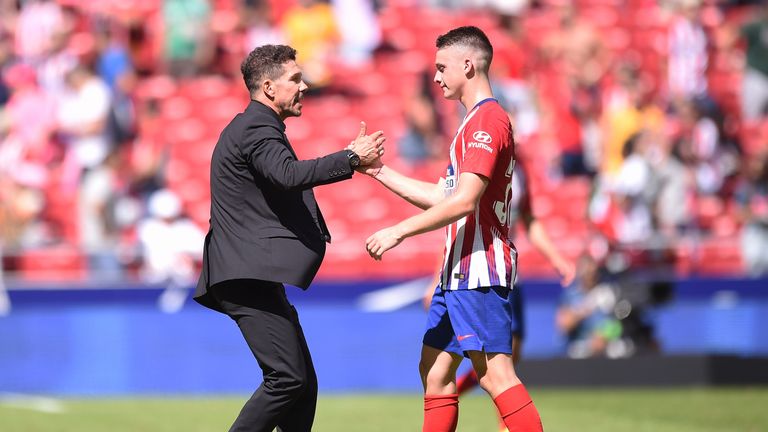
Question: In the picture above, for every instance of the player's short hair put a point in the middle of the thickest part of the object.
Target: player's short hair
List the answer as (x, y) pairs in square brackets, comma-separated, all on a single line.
[(471, 37), (265, 62)]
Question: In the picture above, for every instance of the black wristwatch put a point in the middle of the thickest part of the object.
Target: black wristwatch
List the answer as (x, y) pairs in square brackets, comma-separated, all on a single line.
[(354, 159)]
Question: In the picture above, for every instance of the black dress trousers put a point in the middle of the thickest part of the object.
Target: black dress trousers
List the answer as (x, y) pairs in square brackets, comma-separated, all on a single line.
[(287, 398)]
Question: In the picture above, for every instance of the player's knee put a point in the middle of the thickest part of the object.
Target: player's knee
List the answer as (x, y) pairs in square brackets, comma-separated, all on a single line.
[(435, 379), (494, 382)]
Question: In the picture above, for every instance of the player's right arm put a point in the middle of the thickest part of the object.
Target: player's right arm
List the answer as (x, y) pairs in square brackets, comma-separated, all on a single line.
[(419, 193)]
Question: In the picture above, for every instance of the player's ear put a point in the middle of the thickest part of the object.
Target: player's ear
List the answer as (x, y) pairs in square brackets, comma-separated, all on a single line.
[(469, 67)]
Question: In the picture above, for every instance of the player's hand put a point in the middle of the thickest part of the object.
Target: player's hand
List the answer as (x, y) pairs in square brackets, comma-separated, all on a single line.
[(368, 147), (567, 272), (383, 241)]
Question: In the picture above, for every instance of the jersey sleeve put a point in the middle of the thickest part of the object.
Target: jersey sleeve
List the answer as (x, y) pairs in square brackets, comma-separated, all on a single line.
[(484, 138)]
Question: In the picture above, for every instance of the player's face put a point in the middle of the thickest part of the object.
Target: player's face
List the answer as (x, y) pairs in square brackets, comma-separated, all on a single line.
[(289, 90), (451, 71)]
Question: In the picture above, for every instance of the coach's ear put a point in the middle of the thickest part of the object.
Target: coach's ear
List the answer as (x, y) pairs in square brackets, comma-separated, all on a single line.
[(268, 88)]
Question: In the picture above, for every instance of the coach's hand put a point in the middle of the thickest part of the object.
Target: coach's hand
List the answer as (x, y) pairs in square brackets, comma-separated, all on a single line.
[(368, 147), (383, 241)]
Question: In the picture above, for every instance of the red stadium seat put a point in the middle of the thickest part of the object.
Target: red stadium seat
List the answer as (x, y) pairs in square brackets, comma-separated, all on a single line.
[(719, 256), (53, 264)]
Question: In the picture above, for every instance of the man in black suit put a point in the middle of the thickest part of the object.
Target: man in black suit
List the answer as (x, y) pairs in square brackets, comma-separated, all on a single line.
[(267, 230)]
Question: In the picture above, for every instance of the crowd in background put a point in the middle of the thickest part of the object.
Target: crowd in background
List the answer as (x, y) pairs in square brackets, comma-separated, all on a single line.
[(655, 137)]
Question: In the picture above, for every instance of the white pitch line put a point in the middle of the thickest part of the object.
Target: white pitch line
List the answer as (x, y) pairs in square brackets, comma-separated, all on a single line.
[(33, 403), (394, 297)]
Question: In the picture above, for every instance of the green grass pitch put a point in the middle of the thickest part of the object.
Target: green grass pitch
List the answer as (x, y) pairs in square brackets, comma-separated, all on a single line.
[(593, 410)]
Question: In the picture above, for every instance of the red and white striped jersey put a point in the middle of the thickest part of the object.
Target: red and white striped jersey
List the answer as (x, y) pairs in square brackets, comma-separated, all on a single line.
[(478, 249)]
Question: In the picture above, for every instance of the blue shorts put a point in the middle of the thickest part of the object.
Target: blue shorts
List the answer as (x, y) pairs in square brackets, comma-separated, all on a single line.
[(470, 320)]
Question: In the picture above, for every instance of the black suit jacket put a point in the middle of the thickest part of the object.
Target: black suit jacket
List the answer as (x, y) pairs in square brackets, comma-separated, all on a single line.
[(265, 223)]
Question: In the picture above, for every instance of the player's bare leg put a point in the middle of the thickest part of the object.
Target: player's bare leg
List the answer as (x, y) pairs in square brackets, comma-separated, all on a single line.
[(495, 371), (496, 374), (441, 402)]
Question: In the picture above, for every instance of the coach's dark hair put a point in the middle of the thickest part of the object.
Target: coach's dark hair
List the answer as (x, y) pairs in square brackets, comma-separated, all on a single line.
[(265, 62), (469, 36)]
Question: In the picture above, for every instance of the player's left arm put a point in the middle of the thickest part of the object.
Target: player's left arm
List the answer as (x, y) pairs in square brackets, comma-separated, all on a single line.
[(539, 238), (463, 202)]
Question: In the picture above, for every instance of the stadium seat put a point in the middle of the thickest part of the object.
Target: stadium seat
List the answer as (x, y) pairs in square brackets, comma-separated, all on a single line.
[(64, 263)]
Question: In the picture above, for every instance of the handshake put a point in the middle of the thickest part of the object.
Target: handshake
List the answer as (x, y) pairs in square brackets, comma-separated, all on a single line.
[(370, 149)]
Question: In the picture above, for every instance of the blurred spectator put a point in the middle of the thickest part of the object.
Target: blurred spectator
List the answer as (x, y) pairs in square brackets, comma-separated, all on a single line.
[(752, 203), (6, 59), (9, 12), (577, 47), (83, 115), (585, 315), (37, 23), (674, 188), (628, 107), (21, 206), (360, 34), (754, 94), (577, 60), (510, 71), (96, 211), (260, 26), (687, 53), (188, 41), (633, 191), (701, 149), (582, 156), (310, 28), (423, 137), (149, 153), (113, 64), (56, 62), (171, 246), (25, 148), (29, 122)]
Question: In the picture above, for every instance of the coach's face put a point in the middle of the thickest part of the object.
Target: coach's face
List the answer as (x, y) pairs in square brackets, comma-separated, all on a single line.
[(287, 91), (452, 66)]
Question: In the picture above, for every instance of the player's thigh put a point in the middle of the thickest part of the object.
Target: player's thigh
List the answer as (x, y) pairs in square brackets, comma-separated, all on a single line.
[(438, 367)]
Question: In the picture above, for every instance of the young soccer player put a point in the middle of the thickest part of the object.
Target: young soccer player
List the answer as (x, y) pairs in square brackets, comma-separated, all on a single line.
[(520, 211), (471, 314)]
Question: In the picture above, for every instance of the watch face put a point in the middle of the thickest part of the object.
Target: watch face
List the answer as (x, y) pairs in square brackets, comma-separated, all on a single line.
[(354, 160)]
